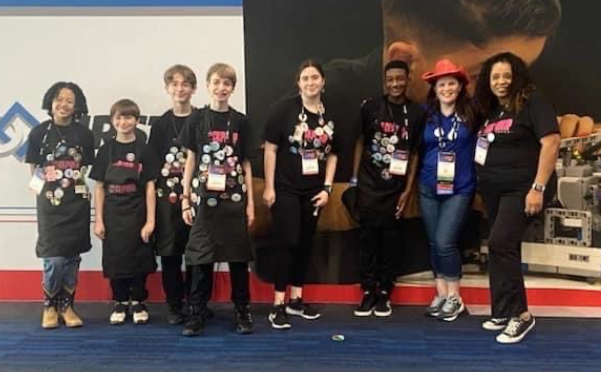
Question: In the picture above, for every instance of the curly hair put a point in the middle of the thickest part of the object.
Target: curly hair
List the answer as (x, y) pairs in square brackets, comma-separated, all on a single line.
[(520, 89), (81, 104)]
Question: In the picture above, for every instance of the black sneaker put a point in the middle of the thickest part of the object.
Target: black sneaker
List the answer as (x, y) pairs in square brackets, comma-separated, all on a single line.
[(495, 324), (176, 314), (367, 304), (196, 322), (299, 308), (278, 317), (383, 305), (516, 330), (244, 321)]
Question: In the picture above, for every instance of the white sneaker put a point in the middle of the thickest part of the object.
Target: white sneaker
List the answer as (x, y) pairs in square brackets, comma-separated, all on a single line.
[(140, 312), (119, 313)]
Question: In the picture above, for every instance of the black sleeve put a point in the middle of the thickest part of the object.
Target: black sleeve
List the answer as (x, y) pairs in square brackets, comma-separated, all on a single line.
[(276, 122), (100, 163), (247, 144), (156, 139), (34, 142), (542, 116), (188, 134), (150, 169), (87, 146)]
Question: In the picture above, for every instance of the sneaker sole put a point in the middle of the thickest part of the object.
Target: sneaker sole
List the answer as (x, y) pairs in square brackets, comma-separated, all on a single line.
[(493, 327), (278, 326), (290, 311), (191, 334), (382, 314), (113, 323), (363, 313), (454, 316), (515, 340)]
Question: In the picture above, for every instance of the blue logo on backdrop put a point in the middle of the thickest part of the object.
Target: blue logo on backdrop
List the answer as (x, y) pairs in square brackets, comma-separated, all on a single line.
[(13, 138)]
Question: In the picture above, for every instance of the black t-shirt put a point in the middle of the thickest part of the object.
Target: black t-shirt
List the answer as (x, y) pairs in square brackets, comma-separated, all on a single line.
[(512, 160), (284, 129), (386, 128), (134, 155), (170, 156), (221, 139), (44, 139)]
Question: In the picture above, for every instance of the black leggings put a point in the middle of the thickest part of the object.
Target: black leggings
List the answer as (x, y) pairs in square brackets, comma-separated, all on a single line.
[(133, 288), (295, 224), (201, 284)]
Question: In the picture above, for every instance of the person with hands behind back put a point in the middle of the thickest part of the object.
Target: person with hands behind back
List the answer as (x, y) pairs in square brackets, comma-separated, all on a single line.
[(125, 174)]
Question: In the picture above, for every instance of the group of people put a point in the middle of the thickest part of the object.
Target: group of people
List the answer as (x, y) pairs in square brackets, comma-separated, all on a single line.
[(189, 192)]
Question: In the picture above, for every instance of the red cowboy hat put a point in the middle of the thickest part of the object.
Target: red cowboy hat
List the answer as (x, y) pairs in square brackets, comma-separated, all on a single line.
[(444, 67)]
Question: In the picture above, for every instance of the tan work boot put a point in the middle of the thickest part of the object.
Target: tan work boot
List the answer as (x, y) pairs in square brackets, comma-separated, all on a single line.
[(67, 314), (49, 318)]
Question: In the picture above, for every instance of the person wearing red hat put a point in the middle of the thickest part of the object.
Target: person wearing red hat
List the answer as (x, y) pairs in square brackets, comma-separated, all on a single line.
[(447, 180), (516, 153)]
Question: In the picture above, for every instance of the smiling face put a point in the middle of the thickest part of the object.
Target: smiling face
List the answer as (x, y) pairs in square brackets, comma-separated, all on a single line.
[(219, 88), (311, 82), (396, 81), (124, 124), (447, 89), (179, 89), (500, 80), (63, 106)]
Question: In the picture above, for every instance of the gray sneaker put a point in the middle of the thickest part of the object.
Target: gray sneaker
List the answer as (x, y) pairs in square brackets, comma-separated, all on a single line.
[(451, 309), (434, 309)]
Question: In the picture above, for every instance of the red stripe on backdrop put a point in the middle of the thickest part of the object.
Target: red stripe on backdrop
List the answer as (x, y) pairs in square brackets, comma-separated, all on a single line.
[(25, 286)]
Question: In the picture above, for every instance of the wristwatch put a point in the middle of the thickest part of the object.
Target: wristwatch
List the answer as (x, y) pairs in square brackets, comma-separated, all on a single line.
[(538, 187), (328, 189)]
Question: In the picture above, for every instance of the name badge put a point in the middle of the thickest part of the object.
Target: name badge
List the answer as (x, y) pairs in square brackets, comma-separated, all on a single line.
[(445, 173), (217, 178), (37, 181), (399, 162), (481, 150), (310, 163), (81, 189)]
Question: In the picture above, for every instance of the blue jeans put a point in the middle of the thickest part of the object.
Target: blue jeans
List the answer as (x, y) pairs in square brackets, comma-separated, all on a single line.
[(59, 273), (444, 217)]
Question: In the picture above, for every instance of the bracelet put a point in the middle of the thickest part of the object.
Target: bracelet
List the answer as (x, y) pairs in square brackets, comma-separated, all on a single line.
[(328, 189), (186, 209)]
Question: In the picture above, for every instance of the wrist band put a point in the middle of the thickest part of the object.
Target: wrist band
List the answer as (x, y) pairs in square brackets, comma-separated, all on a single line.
[(186, 209)]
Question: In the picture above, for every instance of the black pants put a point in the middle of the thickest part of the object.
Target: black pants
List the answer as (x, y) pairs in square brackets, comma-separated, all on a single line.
[(295, 226), (133, 288), (507, 225), (377, 251), (174, 285), (201, 284)]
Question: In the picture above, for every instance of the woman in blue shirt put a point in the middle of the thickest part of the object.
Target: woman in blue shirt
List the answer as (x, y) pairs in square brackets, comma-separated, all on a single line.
[(447, 180)]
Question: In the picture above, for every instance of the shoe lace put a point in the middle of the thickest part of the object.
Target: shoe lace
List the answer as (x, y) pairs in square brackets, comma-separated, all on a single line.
[(513, 326), (437, 301)]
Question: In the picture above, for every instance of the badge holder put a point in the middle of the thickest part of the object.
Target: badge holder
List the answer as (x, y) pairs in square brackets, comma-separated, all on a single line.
[(445, 173), (37, 181), (399, 162), (216, 180), (310, 163), (481, 150)]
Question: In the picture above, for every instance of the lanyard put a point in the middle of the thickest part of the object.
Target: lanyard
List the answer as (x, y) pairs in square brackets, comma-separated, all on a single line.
[(451, 136), (303, 121), (405, 119)]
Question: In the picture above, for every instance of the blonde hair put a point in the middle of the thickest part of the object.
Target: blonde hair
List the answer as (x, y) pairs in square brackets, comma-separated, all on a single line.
[(224, 71)]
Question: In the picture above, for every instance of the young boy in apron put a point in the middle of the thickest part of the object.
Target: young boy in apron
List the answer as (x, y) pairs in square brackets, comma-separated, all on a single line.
[(171, 231), (125, 176), (218, 200), (59, 152)]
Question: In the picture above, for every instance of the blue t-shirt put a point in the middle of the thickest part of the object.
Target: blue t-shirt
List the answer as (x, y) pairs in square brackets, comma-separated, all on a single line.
[(464, 147)]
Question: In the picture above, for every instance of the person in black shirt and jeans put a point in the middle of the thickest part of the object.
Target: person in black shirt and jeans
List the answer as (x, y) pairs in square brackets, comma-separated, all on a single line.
[(516, 152), (384, 169), (300, 162)]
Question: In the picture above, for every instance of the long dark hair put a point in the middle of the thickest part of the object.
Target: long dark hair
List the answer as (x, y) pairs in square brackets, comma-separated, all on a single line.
[(463, 106), (81, 104), (519, 91)]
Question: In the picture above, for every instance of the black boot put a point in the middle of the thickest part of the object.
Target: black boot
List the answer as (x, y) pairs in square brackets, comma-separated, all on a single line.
[(196, 322), (176, 313), (244, 321)]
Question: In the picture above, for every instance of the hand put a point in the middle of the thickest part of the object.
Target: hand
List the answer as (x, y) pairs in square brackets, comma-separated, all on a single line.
[(147, 231), (320, 200), (187, 215), (534, 203), (269, 197), (400, 205), (250, 214), (99, 230)]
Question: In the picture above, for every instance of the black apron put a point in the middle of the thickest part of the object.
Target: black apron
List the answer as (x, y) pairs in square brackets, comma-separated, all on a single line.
[(219, 232), (63, 215), (171, 232), (378, 191), (124, 253)]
